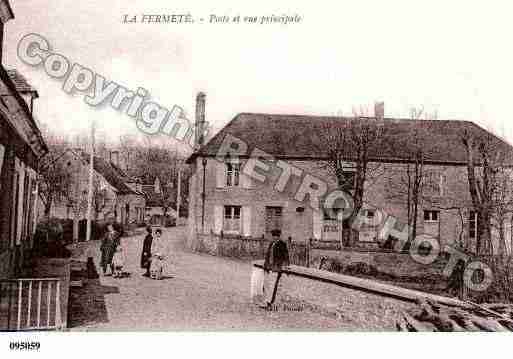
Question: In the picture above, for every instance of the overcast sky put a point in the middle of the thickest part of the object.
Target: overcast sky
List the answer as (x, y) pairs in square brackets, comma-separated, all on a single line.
[(453, 57)]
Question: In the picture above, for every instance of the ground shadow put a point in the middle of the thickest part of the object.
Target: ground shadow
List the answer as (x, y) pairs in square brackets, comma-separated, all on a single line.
[(164, 277), (87, 303)]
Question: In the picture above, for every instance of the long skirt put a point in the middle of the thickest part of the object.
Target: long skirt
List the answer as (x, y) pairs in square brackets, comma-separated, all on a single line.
[(107, 254), (145, 260)]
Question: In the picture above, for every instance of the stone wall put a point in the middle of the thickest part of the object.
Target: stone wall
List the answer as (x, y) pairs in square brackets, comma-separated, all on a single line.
[(245, 247)]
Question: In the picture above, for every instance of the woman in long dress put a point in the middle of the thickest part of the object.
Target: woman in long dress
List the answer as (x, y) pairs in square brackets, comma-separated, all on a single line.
[(159, 256), (108, 247)]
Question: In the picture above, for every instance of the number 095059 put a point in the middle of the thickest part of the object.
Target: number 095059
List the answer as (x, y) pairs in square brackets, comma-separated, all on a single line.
[(24, 345)]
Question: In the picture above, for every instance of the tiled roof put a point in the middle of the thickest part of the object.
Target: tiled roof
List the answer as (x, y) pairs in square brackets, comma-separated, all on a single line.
[(8, 88), (126, 178), (300, 137), (20, 82), (148, 188), (109, 173), (154, 199)]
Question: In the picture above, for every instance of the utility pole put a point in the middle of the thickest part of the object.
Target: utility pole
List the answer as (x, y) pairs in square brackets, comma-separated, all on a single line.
[(90, 194), (178, 194)]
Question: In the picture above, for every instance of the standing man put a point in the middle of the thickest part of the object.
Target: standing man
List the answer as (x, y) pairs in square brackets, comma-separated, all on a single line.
[(146, 252), (276, 258)]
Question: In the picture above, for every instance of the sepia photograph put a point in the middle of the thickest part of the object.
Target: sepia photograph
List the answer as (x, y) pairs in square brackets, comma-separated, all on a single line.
[(191, 170)]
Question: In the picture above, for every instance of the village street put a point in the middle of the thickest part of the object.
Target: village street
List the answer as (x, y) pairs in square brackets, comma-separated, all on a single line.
[(199, 292)]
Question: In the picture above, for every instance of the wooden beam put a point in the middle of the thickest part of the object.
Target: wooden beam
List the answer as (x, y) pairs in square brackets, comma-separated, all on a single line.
[(367, 285)]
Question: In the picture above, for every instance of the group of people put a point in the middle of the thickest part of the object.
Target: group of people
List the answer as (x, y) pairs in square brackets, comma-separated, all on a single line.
[(152, 256), (153, 259)]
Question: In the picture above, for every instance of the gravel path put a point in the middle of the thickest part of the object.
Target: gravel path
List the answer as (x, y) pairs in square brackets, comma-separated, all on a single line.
[(199, 292)]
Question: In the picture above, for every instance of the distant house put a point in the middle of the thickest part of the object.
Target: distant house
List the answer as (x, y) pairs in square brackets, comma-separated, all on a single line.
[(21, 147), (116, 195), (159, 205), (222, 198)]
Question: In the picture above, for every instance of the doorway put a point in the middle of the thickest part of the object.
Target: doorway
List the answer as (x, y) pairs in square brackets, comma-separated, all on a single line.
[(273, 219)]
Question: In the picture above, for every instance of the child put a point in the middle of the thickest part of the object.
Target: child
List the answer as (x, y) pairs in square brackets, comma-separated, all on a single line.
[(118, 261), (157, 260), (157, 266)]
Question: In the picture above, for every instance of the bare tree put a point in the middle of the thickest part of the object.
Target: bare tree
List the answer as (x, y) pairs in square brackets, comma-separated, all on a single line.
[(483, 165), (54, 178), (407, 182), (349, 144), (128, 148)]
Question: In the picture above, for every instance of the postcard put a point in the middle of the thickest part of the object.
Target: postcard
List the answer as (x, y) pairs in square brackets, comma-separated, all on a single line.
[(230, 167)]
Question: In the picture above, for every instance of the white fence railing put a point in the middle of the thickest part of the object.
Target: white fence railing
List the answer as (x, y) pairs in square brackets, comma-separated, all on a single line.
[(30, 304)]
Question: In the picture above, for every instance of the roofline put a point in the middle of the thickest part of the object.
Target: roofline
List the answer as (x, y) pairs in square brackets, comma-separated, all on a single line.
[(373, 160), (189, 159), (12, 87), (497, 137), (341, 117), (198, 153), (86, 160)]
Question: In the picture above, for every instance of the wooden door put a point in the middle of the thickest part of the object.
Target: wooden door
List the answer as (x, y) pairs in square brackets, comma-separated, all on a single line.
[(273, 219)]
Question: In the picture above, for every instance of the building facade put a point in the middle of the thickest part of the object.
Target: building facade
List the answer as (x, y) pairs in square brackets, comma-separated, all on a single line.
[(116, 196), (236, 195), (21, 146)]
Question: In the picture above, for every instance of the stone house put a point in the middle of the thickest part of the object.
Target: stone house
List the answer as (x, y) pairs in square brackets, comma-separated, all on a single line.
[(224, 197), (116, 196), (160, 200), (21, 146)]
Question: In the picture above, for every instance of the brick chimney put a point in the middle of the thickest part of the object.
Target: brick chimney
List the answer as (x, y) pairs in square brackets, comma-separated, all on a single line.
[(379, 110), (200, 120)]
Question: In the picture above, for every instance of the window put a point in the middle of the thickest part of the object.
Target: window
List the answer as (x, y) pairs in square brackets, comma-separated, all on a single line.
[(472, 225), (431, 216), (232, 221), (232, 174), (370, 213)]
